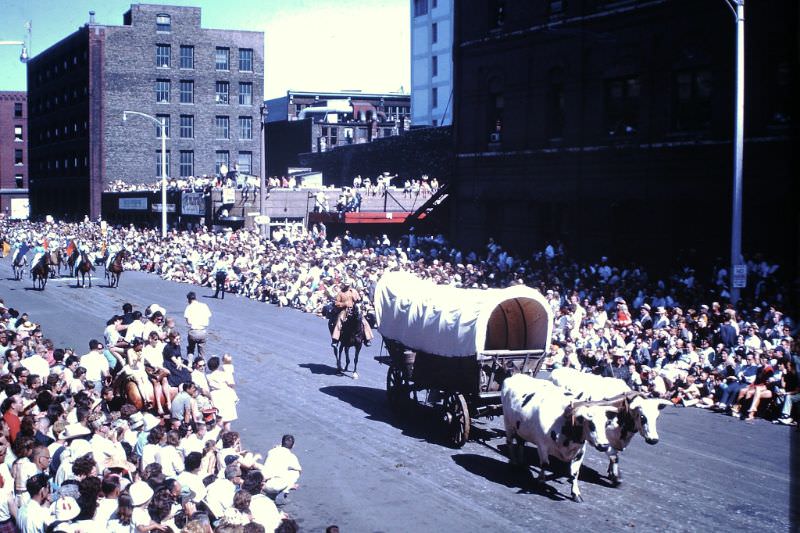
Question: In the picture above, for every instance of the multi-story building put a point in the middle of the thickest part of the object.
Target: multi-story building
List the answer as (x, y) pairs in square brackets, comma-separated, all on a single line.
[(206, 84), (13, 154), (336, 119), (431, 62), (608, 124)]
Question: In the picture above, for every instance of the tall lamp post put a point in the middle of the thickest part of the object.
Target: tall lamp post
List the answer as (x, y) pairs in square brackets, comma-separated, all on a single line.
[(161, 124), (23, 55), (262, 206), (737, 275)]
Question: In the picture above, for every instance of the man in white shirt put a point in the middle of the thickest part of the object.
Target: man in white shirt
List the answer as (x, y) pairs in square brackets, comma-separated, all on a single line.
[(36, 364), (281, 469), (197, 317), (95, 363), (35, 515), (190, 478), (219, 494)]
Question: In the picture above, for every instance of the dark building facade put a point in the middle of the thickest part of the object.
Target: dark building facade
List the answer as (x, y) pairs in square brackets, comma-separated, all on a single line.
[(13, 154), (206, 83), (336, 119), (608, 125)]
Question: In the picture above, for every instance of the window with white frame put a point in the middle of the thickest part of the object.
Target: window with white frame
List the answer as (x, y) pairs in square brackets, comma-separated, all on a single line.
[(165, 120), (246, 162), (221, 90), (246, 128), (245, 93), (222, 127), (158, 163), (187, 57), (222, 58), (187, 163), (245, 60), (222, 157), (163, 23), (162, 91), (162, 55), (187, 127), (186, 91)]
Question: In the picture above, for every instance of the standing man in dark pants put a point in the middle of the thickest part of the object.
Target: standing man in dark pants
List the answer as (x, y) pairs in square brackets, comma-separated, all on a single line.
[(220, 272), (197, 317)]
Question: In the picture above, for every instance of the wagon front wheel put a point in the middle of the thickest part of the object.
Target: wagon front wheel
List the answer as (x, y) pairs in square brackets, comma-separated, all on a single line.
[(396, 388), (457, 420)]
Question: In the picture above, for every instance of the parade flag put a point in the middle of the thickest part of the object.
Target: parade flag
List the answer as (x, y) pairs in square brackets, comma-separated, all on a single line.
[(45, 244), (23, 249), (6, 248), (70, 248)]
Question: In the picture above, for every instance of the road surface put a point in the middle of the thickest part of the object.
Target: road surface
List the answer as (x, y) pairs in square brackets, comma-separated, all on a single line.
[(366, 469)]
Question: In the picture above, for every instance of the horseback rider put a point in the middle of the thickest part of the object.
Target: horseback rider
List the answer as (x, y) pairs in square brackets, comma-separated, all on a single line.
[(346, 299), (113, 249), (38, 252)]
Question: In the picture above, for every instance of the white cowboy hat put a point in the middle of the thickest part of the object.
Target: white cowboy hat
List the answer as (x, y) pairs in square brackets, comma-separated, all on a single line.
[(140, 493), (136, 420), (72, 431), (66, 508), (150, 421)]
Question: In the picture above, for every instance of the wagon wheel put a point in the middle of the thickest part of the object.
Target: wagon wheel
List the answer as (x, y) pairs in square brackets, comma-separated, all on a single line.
[(457, 420), (397, 388)]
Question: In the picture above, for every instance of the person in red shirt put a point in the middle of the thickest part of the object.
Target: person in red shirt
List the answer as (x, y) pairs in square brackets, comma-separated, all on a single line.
[(11, 408)]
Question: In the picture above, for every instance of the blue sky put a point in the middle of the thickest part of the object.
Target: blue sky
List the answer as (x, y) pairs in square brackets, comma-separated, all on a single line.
[(314, 45)]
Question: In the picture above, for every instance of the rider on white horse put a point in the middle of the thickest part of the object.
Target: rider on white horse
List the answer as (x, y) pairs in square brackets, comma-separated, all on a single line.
[(113, 250), (38, 252)]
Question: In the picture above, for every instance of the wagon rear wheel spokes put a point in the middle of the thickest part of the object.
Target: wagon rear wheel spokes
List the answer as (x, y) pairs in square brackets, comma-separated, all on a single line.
[(457, 419)]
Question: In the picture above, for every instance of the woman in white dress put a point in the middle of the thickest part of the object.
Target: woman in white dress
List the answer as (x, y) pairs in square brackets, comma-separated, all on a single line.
[(223, 396)]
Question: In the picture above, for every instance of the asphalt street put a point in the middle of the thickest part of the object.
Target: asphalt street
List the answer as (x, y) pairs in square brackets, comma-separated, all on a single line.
[(367, 469)]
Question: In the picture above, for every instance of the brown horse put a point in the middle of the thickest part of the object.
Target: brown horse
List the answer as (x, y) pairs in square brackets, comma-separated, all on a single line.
[(115, 269), (56, 259), (40, 272), (84, 268), (143, 398)]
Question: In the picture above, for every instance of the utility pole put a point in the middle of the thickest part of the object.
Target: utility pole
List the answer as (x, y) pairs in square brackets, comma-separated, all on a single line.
[(738, 273)]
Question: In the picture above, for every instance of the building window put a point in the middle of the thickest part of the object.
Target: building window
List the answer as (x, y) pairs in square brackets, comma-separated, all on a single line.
[(17, 110), (245, 93), (692, 99), (18, 133), (246, 128), (420, 7), (246, 162), (434, 97), (435, 66), (18, 181), (221, 127), (622, 106), (187, 57), (187, 163), (162, 55), (18, 156), (187, 126), (187, 91), (222, 89), (165, 120), (245, 60), (163, 23), (162, 91), (434, 33), (222, 157), (222, 58), (158, 163)]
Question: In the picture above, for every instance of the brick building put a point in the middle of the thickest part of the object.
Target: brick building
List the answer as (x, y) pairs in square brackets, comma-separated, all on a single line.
[(13, 154), (207, 83), (608, 124)]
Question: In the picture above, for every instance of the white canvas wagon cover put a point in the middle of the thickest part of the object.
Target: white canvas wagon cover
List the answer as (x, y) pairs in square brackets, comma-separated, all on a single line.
[(453, 322)]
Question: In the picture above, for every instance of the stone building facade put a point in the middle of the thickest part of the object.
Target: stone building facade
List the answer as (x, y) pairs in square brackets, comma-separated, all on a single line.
[(13, 153), (208, 85), (608, 125)]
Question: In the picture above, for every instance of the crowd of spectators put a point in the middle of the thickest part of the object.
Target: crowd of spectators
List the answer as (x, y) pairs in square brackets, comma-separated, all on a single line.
[(76, 454), (674, 336)]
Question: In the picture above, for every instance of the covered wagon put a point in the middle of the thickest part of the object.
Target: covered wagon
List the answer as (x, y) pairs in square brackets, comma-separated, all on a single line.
[(458, 344)]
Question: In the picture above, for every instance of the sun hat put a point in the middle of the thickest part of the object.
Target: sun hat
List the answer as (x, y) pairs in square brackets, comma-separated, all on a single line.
[(72, 431), (66, 508), (150, 421), (140, 493)]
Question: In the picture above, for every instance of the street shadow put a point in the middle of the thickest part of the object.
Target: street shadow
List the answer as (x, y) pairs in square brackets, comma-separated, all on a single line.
[(500, 472), (319, 369), (558, 469), (415, 420)]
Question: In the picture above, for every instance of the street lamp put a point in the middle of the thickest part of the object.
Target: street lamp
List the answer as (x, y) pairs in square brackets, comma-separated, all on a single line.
[(262, 206), (23, 55), (162, 125), (737, 275)]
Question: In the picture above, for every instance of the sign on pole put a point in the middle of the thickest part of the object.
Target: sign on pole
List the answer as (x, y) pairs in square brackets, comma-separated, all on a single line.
[(739, 276)]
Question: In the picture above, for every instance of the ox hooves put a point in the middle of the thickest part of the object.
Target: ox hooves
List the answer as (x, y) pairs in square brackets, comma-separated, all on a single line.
[(577, 498)]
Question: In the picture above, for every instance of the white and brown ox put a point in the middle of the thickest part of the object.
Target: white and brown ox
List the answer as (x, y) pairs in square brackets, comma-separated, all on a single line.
[(536, 411), (637, 414)]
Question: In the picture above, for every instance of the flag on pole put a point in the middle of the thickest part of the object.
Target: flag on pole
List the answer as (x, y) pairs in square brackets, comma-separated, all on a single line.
[(70, 248), (45, 244), (23, 249), (6, 248)]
